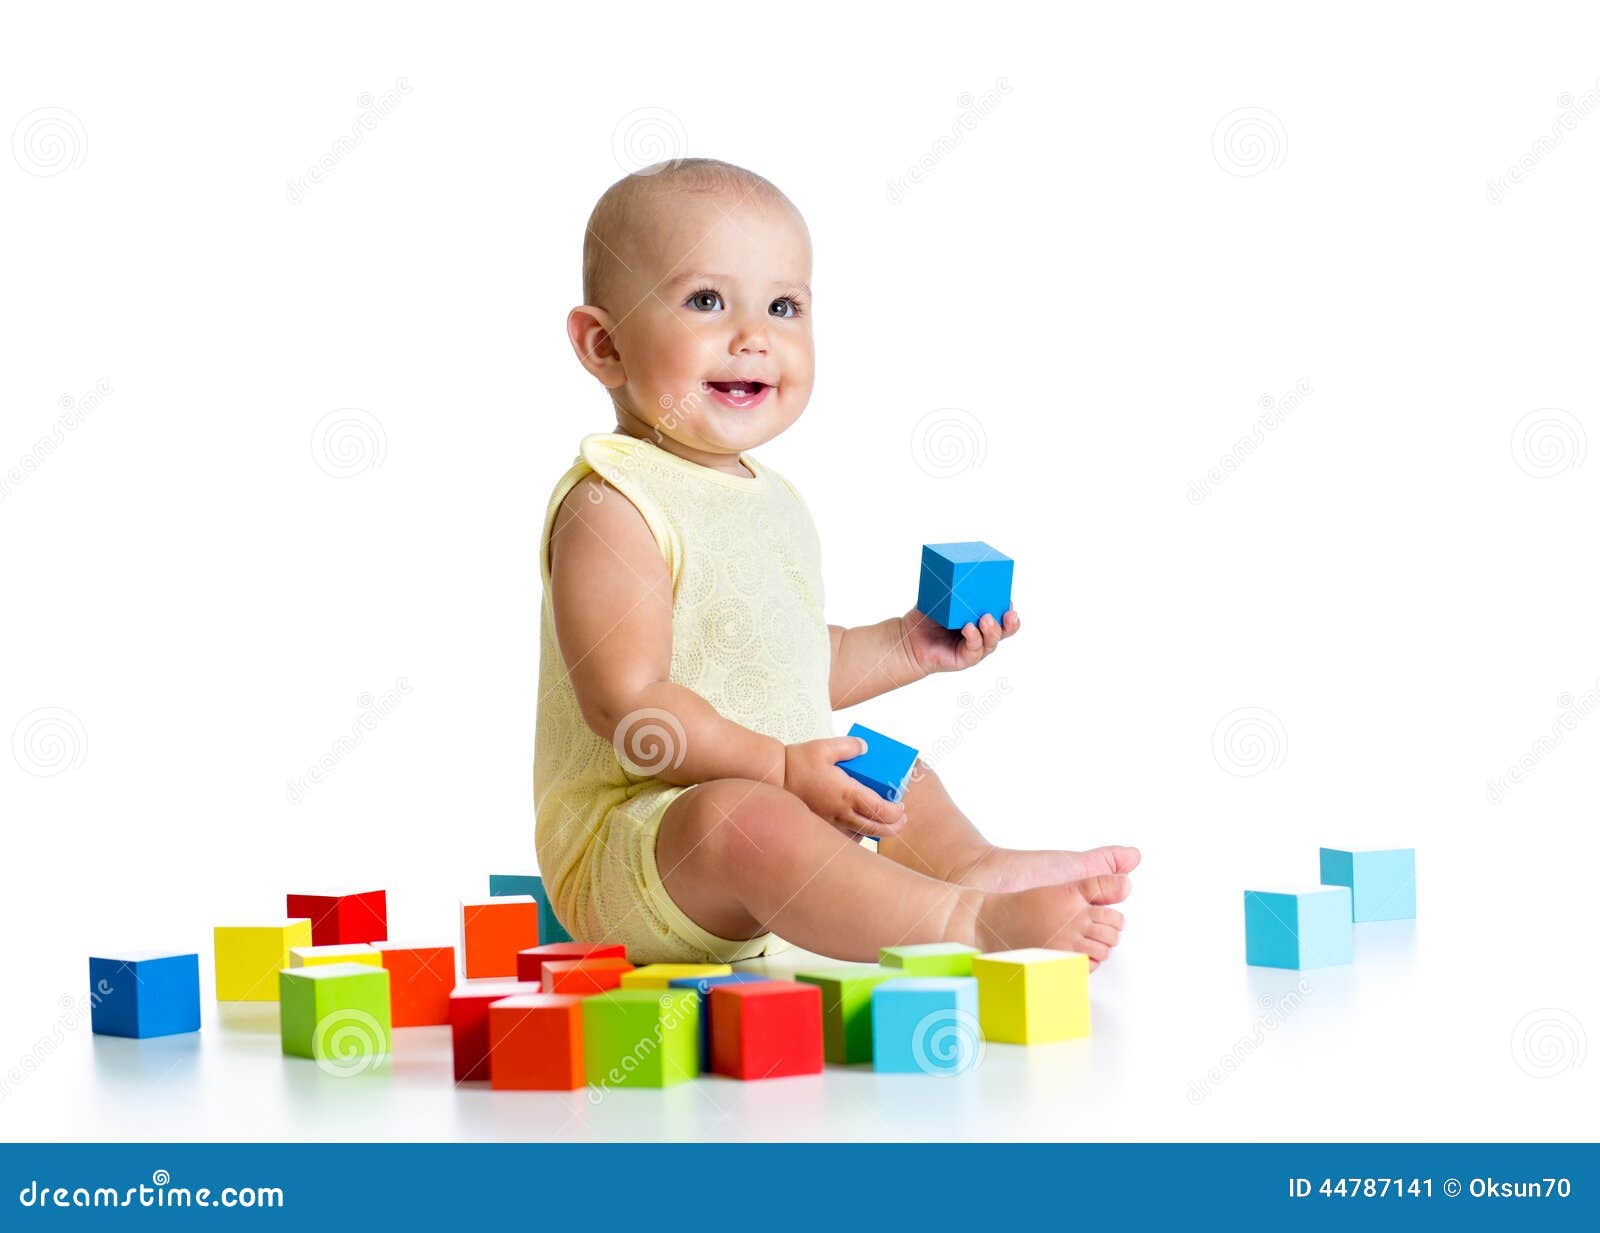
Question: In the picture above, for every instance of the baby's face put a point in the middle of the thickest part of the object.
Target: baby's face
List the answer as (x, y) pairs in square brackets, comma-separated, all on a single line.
[(712, 321)]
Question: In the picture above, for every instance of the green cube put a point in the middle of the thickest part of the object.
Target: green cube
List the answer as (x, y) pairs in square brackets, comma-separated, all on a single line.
[(337, 1013), (641, 1037), (847, 1008), (929, 958)]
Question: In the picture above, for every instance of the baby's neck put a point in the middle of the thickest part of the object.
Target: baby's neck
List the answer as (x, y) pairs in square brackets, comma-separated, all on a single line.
[(731, 464)]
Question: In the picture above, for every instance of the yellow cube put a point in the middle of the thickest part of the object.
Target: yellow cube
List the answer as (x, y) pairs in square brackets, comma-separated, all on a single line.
[(249, 957), (1026, 997), (354, 952), (656, 975)]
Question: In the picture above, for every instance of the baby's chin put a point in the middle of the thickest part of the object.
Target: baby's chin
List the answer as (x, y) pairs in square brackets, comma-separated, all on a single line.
[(725, 430)]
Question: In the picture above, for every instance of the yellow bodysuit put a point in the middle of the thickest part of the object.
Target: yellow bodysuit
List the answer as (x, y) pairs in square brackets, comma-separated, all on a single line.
[(748, 635)]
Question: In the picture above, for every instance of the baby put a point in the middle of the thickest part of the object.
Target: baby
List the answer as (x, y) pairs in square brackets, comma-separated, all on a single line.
[(690, 805)]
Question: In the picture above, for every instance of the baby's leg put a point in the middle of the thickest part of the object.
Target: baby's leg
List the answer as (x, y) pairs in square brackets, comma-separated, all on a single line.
[(741, 858), (940, 841)]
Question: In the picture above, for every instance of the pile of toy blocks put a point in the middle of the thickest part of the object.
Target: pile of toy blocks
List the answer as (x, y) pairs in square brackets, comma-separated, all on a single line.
[(1314, 927)]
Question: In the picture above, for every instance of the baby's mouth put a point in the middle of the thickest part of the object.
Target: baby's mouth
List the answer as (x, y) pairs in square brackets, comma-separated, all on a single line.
[(738, 394)]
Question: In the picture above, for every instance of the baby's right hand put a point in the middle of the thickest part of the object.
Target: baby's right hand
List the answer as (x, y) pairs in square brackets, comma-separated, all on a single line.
[(811, 771)]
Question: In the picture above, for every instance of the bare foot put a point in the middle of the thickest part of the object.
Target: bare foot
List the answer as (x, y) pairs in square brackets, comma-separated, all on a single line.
[(1074, 916), (1008, 869)]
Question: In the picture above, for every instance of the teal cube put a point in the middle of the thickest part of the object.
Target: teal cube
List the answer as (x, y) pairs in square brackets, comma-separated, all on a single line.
[(1310, 928), (550, 929), (926, 1026), (1382, 882)]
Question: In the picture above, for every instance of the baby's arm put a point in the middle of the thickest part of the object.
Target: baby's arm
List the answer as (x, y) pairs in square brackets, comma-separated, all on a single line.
[(869, 660), (611, 594)]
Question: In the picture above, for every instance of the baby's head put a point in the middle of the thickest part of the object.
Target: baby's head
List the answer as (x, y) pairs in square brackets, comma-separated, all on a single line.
[(697, 306)]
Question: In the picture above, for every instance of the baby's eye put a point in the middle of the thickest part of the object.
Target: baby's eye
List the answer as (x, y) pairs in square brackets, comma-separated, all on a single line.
[(705, 301), (784, 307)]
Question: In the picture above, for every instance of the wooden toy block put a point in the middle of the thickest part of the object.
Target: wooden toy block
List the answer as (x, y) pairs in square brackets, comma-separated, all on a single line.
[(343, 918), (420, 980), (335, 1012), (926, 1025), (493, 931), (144, 993), (885, 766), (469, 1022), (531, 961), (550, 929), (1382, 882), (661, 975), (536, 1043), (929, 958), (641, 1037), (703, 985), (356, 952), (1026, 997), (249, 957), (583, 977), (847, 1008), (962, 582), (1305, 928), (765, 1029)]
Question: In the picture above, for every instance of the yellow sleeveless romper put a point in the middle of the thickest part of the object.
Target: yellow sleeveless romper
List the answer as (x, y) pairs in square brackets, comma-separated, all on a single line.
[(748, 635)]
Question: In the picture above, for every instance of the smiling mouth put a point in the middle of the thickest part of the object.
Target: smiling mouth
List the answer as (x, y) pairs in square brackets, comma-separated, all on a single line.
[(738, 394)]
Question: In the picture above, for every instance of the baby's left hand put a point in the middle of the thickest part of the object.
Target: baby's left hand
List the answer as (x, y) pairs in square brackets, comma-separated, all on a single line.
[(936, 649)]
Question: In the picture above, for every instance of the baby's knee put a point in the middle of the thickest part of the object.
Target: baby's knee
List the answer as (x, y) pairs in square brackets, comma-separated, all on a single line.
[(743, 818)]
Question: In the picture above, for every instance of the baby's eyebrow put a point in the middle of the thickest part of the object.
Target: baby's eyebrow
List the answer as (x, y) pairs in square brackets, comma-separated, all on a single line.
[(692, 276)]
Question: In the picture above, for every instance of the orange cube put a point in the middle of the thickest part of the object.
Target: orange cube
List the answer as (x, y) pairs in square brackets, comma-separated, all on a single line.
[(583, 977), (420, 980), (494, 930), (536, 1043)]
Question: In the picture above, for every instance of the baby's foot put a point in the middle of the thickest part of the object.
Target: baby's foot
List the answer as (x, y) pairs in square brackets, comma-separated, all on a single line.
[(1008, 869), (1073, 916)]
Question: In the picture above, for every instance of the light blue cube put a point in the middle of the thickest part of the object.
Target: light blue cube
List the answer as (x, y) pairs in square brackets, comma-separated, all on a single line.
[(1310, 928), (1382, 882), (550, 929), (961, 582), (926, 1025)]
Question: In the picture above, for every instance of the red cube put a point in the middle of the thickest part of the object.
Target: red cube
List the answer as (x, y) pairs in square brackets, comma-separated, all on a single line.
[(583, 977), (493, 931), (341, 919), (469, 1022), (420, 980), (530, 962), (536, 1043), (766, 1029)]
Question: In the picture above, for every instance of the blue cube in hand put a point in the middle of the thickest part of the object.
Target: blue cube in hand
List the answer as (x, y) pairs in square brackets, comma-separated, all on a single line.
[(1299, 928), (1383, 883), (144, 993), (961, 582), (885, 766)]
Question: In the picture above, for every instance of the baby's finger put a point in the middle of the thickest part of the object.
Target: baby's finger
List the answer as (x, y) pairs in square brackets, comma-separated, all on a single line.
[(842, 748), (869, 804), (862, 824), (972, 639), (1011, 623), (1106, 916), (990, 629)]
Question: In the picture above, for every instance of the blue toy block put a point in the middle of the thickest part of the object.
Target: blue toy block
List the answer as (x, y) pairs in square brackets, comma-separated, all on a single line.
[(1382, 882), (703, 985), (144, 993), (1308, 928), (961, 582), (926, 1025), (885, 766), (550, 929)]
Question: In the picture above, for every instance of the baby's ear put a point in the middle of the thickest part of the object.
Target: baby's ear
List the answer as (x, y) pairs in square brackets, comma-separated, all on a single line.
[(589, 330)]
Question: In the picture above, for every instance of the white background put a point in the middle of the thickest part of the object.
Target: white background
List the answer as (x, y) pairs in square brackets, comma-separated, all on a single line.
[(1047, 340)]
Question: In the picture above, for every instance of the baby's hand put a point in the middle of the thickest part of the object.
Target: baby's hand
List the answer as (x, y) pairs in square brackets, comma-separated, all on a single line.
[(811, 771), (936, 649)]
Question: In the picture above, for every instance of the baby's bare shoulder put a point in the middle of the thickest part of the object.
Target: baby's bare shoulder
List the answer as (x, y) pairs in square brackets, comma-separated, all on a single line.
[(596, 526)]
